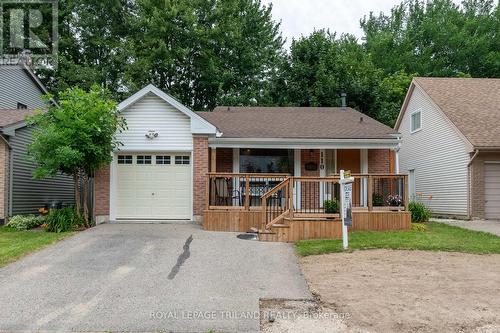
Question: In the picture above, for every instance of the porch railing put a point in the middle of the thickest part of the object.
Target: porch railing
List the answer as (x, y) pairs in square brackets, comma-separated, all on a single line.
[(239, 190), (380, 191), (301, 197), (281, 196)]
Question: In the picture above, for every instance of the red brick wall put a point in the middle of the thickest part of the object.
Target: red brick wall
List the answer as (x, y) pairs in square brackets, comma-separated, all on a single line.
[(379, 161), (224, 160), (200, 170), (101, 191)]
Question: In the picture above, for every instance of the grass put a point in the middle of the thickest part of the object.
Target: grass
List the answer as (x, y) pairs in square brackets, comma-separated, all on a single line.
[(437, 237), (15, 244)]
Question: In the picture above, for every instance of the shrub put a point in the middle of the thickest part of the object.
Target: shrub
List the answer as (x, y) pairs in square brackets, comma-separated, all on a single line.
[(331, 206), (24, 222), (419, 212), (61, 220), (378, 199), (418, 227)]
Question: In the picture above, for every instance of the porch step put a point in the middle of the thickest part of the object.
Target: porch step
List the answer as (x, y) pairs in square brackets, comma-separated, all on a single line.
[(279, 225), (308, 219)]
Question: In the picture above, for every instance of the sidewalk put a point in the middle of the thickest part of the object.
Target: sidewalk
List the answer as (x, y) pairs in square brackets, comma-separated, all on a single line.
[(491, 226)]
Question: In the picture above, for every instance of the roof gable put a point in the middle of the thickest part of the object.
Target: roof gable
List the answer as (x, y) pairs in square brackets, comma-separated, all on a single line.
[(198, 124), (471, 105)]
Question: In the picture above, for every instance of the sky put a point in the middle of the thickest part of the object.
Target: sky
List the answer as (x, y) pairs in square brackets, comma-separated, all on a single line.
[(301, 17)]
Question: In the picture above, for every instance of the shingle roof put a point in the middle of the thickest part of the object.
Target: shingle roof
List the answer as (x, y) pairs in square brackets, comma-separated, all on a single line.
[(472, 105), (296, 122), (13, 116)]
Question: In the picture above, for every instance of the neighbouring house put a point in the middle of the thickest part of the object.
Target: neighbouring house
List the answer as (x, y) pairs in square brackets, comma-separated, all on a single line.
[(179, 164), (20, 95), (451, 145)]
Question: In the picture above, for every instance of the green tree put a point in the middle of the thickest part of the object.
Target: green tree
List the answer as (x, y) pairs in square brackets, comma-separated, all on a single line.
[(76, 138), (320, 67), (390, 94), (92, 45), (436, 38), (204, 52)]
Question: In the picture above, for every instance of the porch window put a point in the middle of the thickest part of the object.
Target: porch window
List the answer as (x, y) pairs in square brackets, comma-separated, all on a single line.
[(266, 160)]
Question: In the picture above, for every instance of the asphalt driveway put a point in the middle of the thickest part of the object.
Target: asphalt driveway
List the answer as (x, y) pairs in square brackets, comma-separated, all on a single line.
[(147, 277)]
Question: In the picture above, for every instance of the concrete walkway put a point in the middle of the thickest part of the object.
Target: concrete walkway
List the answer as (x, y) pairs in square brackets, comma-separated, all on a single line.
[(148, 277), (491, 226)]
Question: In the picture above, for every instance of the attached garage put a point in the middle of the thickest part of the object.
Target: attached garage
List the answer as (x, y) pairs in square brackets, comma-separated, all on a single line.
[(152, 174), (153, 186), (492, 190)]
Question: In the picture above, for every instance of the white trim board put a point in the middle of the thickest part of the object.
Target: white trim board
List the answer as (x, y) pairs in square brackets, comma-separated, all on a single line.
[(198, 124)]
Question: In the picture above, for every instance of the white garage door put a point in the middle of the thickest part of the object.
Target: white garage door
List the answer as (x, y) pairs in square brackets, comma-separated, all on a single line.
[(492, 190), (153, 186)]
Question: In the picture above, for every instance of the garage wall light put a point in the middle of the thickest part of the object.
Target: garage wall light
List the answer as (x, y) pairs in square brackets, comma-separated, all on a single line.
[(151, 135)]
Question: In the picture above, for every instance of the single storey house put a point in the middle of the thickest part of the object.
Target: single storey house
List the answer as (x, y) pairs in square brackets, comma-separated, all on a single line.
[(20, 95), (179, 164), (451, 145)]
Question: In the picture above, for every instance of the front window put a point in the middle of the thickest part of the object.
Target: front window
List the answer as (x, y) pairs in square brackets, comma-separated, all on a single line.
[(266, 161)]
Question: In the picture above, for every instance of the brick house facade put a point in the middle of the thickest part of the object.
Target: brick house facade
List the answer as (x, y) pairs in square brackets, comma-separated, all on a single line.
[(161, 171)]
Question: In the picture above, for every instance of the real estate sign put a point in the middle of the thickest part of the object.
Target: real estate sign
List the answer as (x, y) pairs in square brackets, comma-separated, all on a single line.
[(346, 195)]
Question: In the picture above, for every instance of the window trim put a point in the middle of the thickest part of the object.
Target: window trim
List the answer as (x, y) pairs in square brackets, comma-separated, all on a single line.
[(164, 158), (411, 122), (182, 159), (124, 158), (144, 159)]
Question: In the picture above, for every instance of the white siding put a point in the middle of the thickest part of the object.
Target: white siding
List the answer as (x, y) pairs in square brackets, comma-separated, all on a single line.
[(153, 113), (438, 155)]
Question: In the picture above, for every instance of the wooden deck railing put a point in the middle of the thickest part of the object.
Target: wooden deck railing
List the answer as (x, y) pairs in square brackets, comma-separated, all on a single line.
[(380, 191), (239, 190), (280, 196)]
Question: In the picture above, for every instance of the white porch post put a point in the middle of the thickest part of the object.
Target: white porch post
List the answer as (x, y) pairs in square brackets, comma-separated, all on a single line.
[(364, 182), (322, 173), (297, 167), (236, 169), (396, 160)]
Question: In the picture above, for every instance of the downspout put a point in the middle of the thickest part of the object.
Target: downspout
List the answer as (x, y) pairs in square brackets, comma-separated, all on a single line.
[(8, 211), (469, 187)]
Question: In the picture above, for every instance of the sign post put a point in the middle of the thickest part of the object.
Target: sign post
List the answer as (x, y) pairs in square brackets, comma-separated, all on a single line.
[(346, 194)]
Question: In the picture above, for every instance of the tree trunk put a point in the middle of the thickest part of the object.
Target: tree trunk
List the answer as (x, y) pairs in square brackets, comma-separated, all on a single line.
[(85, 200), (76, 179)]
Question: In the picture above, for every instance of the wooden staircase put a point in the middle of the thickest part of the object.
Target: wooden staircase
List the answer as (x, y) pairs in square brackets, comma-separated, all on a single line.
[(281, 222)]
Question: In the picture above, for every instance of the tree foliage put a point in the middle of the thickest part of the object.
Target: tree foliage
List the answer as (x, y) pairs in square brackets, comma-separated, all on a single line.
[(216, 52), (76, 137)]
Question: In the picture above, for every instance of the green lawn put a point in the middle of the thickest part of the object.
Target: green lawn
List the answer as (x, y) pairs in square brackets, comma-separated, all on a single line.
[(15, 244), (438, 237)]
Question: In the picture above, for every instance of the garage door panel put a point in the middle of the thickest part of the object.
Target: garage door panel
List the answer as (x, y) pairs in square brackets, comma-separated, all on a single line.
[(154, 191)]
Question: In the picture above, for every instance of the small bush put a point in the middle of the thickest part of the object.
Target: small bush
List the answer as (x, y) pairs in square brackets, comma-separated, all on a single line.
[(24, 222), (418, 227), (378, 199), (62, 220), (331, 206), (419, 212)]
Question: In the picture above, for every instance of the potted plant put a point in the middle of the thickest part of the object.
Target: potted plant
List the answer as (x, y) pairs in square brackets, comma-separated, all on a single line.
[(331, 206), (394, 200), (378, 199)]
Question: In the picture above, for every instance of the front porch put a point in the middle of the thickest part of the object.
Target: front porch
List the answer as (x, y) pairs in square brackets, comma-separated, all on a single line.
[(293, 199)]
